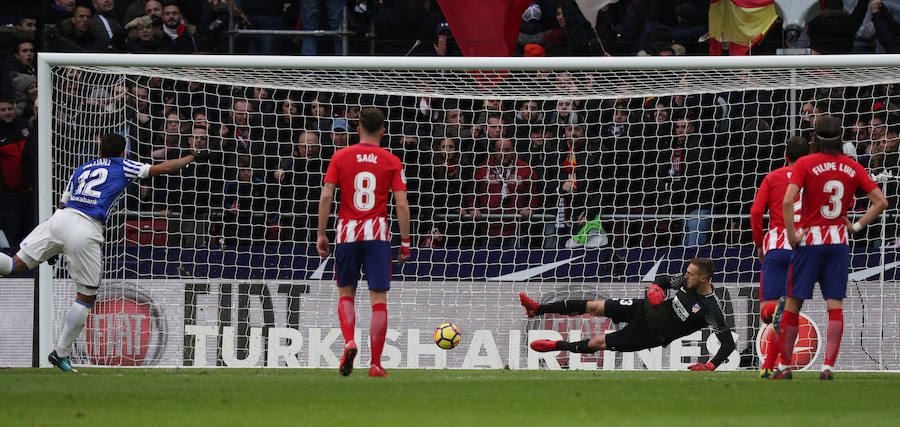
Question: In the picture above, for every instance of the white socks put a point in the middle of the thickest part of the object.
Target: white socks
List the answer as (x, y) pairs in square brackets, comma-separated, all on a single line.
[(6, 264), (75, 319)]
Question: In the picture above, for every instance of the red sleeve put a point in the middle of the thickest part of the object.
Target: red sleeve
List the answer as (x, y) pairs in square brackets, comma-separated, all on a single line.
[(332, 174), (398, 182), (758, 209), (798, 174), (475, 197), (865, 181)]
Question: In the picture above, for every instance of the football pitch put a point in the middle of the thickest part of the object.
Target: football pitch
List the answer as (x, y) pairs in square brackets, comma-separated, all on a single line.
[(262, 397)]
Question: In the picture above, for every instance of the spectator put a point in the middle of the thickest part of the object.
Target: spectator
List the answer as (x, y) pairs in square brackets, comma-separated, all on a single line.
[(245, 203), (153, 8), (105, 25), (834, 31), (453, 123), (24, 95), (167, 143), (300, 177), (21, 61), (444, 44), (886, 27), (57, 11), (340, 138), (440, 192), (193, 193), (318, 113), (309, 10), (288, 119), (77, 33), (15, 213), (503, 186), (26, 24), (573, 186), (142, 35), (528, 115), (264, 15), (687, 182), (244, 137), (179, 37)]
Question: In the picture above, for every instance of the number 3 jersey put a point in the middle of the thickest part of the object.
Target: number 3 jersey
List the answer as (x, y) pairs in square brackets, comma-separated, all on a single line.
[(829, 182), (95, 185), (365, 174)]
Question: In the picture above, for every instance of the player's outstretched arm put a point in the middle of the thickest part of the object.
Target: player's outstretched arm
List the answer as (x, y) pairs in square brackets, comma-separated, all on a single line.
[(403, 222), (174, 165), (324, 211)]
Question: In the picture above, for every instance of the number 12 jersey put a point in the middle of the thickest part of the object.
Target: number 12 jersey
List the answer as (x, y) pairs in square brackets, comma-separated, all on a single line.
[(366, 175)]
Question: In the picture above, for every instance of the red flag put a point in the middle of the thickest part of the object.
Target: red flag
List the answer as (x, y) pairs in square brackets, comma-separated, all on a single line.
[(485, 27)]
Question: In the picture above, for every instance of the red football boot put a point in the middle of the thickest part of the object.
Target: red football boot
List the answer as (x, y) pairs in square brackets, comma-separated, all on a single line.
[(543, 345), (350, 351), (530, 306), (377, 371)]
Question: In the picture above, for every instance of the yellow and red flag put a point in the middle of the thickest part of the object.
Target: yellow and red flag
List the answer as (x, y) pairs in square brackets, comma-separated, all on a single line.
[(742, 23)]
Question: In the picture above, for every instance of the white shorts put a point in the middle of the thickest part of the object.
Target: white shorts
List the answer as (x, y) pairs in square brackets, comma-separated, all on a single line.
[(74, 235)]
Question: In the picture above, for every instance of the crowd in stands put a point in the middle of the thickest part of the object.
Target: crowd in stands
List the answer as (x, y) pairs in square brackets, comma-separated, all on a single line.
[(520, 173)]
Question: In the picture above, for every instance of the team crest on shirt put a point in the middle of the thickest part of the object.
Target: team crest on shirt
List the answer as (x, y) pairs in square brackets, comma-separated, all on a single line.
[(695, 309)]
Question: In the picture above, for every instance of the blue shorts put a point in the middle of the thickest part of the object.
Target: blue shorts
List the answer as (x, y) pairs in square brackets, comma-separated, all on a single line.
[(776, 274), (827, 264), (371, 256)]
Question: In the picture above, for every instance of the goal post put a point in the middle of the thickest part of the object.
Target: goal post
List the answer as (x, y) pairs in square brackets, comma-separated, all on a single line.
[(221, 283)]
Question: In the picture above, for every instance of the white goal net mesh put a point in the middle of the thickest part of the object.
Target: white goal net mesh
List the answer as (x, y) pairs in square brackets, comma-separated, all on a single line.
[(563, 184)]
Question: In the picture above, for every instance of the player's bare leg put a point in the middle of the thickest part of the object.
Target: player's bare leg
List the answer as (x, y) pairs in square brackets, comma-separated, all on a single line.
[(790, 326), (833, 339), (377, 331), (597, 343), (75, 318), (347, 317), (567, 307)]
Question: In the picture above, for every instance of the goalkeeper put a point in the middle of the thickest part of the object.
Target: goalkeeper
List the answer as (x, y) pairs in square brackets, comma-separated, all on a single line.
[(652, 321)]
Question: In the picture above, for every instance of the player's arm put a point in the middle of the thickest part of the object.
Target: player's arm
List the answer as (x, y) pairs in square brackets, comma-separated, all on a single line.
[(174, 165), (325, 200), (787, 208), (716, 321), (403, 222), (656, 292), (757, 210), (878, 203)]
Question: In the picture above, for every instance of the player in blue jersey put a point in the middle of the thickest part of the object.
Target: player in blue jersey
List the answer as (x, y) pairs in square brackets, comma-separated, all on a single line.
[(76, 230)]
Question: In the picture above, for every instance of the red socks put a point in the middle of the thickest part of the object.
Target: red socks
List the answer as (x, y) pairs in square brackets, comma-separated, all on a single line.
[(377, 331), (835, 332), (790, 325), (773, 349), (347, 316)]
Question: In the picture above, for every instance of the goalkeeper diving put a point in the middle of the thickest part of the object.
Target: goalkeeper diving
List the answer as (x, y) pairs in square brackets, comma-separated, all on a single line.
[(653, 321)]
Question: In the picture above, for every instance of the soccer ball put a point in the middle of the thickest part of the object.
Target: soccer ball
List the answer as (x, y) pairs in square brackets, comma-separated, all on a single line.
[(447, 336)]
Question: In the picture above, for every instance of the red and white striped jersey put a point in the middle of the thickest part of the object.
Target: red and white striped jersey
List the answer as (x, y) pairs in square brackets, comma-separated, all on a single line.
[(769, 198), (366, 174), (828, 182)]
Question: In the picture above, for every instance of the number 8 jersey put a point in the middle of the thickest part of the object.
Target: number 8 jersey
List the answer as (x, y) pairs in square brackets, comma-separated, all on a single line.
[(366, 174), (829, 182), (95, 185)]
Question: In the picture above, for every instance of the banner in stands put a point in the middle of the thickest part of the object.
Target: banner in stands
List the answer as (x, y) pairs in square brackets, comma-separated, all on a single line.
[(292, 323)]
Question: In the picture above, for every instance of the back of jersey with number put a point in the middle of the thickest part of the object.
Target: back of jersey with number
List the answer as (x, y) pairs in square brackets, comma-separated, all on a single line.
[(829, 182), (366, 174), (95, 185)]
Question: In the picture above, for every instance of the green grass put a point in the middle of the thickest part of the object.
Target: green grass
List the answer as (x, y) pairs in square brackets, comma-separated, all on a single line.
[(262, 397)]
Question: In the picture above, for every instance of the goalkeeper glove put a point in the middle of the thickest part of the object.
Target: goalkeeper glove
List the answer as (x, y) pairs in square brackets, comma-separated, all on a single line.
[(200, 156), (708, 366), (656, 295), (404, 246)]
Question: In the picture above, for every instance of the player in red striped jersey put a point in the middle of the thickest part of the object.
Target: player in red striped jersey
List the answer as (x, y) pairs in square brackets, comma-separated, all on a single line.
[(821, 253), (366, 173), (773, 246)]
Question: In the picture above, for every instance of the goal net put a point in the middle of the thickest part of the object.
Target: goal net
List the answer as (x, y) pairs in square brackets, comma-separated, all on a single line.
[(561, 178)]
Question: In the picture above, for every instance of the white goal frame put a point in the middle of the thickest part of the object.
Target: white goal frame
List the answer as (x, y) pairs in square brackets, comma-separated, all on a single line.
[(47, 60)]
